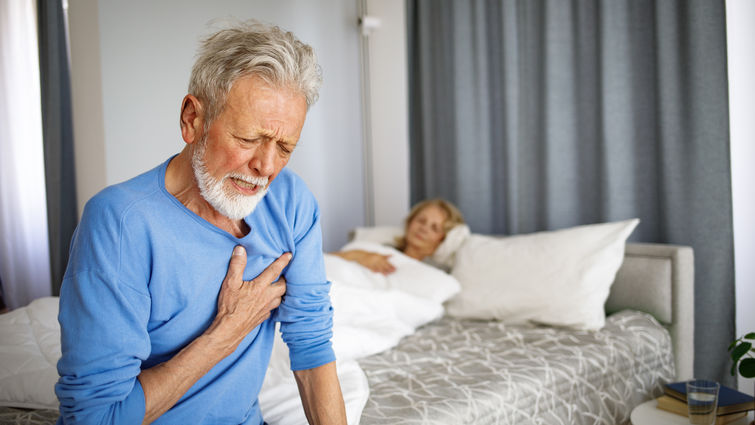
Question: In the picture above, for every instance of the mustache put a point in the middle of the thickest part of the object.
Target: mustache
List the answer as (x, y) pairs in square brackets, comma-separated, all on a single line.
[(257, 181)]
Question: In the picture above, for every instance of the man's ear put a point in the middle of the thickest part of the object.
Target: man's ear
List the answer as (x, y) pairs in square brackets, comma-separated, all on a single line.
[(192, 119)]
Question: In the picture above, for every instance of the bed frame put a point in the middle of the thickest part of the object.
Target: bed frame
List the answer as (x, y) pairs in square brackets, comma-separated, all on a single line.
[(659, 279)]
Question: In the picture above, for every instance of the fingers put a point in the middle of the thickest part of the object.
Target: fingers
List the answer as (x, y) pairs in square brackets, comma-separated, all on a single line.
[(279, 286), (389, 267), (244, 305), (384, 266), (273, 270), (277, 290), (235, 274)]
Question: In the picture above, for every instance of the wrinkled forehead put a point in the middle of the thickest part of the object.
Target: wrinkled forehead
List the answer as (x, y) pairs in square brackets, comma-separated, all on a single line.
[(251, 87), (278, 112)]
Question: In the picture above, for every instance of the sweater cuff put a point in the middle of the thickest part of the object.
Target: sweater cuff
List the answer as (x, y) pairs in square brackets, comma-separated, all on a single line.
[(312, 357)]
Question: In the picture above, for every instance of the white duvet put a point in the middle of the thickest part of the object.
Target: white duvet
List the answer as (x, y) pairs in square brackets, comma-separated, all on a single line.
[(372, 312)]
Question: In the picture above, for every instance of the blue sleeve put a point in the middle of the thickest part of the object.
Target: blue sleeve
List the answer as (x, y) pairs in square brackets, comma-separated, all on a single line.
[(103, 317), (306, 314)]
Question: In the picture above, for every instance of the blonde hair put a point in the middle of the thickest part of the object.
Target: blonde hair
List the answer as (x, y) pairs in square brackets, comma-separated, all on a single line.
[(252, 48), (453, 217)]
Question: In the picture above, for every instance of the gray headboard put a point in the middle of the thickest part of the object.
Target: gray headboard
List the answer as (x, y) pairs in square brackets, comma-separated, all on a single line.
[(659, 279)]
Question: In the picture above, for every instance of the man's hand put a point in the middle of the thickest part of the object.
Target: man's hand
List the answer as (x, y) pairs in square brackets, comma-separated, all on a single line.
[(242, 306)]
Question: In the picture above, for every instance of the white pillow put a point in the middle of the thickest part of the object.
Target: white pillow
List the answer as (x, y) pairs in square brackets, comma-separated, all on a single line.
[(559, 278), (29, 354), (383, 235), (445, 254)]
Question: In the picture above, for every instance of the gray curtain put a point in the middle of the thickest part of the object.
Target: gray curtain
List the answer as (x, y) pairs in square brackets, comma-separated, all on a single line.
[(535, 115), (57, 126)]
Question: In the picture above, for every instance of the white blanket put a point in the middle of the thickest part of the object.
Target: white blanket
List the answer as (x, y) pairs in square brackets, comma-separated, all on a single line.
[(372, 312)]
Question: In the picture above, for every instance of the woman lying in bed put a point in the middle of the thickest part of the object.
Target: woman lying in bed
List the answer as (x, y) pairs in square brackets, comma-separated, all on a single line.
[(425, 228)]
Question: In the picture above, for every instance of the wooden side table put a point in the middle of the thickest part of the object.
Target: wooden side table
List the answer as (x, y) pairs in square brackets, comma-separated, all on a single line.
[(647, 414)]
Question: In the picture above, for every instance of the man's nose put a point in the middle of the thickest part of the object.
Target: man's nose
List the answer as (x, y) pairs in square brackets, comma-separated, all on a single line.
[(263, 160)]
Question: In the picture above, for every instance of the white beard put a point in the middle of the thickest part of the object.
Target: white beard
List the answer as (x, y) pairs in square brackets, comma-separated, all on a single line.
[(231, 204)]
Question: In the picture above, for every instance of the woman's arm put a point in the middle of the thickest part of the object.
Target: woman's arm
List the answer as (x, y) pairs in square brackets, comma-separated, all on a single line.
[(378, 263)]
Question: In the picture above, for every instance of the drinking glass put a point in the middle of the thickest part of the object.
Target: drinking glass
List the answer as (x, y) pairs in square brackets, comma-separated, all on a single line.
[(702, 401)]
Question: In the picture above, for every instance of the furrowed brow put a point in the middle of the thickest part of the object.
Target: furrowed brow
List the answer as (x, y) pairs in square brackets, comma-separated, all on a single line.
[(271, 135)]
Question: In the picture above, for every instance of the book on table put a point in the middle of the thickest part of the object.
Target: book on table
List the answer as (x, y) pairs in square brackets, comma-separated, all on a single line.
[(729, 399), (675, 405)]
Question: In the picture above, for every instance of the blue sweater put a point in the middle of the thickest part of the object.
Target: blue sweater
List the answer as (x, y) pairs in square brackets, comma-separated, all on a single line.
[(142, 282)]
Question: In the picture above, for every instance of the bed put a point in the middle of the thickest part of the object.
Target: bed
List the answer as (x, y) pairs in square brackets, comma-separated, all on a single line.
[(467, 370), (410, 352), (456, 371)]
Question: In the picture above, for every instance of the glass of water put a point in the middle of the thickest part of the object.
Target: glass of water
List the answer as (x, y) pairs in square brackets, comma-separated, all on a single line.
[(702, 401)]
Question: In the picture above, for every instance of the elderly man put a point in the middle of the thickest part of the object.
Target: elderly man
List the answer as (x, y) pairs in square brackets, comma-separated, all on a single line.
[(157, 324)]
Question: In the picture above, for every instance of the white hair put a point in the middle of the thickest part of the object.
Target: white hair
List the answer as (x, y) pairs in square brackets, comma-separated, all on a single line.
[(252, 48)]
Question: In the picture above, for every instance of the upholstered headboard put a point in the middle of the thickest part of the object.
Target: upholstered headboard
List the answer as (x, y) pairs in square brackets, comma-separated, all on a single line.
[(659, 279)]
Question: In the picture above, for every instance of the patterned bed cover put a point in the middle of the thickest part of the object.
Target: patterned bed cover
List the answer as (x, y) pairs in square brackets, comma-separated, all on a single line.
[(14, 416), (479, 372)]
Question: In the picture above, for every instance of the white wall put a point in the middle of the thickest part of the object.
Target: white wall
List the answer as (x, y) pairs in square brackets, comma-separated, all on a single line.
[(388, 108), (86, 88), (740, 20), (141, 52)]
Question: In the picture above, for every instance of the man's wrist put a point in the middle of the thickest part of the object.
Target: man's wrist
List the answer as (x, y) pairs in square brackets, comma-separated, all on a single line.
[(214, 341)]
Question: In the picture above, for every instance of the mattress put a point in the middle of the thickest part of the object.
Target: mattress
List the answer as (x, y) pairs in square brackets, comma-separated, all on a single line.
[(480, 372)]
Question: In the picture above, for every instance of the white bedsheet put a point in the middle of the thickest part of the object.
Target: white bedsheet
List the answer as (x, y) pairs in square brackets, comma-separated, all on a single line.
[(372, 313)]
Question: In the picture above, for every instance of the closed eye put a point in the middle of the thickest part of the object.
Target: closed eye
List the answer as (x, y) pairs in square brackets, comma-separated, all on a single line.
[(285, 148), (249, 141)]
